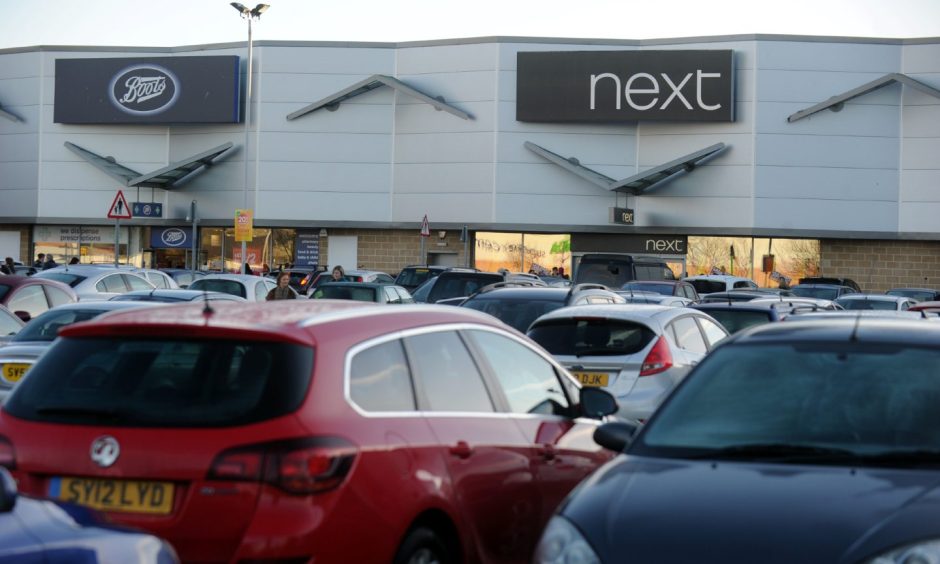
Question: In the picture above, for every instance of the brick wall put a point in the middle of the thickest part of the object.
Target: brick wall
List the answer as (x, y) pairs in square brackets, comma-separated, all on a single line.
[(880, 265), (391, 250)]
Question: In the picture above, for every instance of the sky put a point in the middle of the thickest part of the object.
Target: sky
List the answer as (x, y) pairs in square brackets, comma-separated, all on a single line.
[(162, 23)]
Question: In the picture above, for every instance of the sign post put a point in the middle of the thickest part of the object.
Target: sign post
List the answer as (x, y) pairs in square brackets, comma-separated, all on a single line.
[(243, 234), (425, 233), (119, 210)]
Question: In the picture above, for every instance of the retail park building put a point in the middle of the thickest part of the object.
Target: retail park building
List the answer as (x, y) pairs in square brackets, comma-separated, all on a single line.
[(522, 153)]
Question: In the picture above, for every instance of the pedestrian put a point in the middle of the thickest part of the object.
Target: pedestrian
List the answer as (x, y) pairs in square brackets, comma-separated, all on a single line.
[(73, 260), (49, 263), (554, 271), (39, 260), (248, 269), (338, 275), (283, 290), (8, 267)]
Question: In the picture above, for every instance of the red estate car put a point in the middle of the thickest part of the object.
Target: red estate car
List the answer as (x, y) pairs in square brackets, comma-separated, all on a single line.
[(28, 296), (326, 431)]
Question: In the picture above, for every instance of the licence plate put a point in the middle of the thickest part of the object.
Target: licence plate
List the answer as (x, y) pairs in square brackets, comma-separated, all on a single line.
[(592, 378), (14, 372), (130, 496)]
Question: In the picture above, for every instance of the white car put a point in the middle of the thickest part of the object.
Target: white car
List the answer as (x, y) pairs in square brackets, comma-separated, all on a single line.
[(252, 288), (98, 282), (638, 353)]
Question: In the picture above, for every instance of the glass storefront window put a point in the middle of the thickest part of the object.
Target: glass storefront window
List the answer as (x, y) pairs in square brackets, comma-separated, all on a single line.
[(267, 251), (92, 245), (522, 252), (792, 258)]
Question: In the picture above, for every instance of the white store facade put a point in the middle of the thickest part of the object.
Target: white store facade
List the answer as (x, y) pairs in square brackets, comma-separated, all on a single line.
[(834, 140)]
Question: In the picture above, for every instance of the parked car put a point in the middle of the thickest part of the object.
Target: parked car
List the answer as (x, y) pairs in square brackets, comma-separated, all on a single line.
[(875, 301), (175, 296), (453, 284), (928, 307), (636, 352), (742, 295), (40, 530), (614, 270), (919, 294), (633, 297), (10, 324), (437, 430), (679, 288), (737, 316), (824, 291), (832, 281), (183, 276), (158, 278), (519, 305), (96, 282), (28, 296), (791, 442), (712, 283), (300, 277), (364, 292), (415, 275), (24, 348), (252, 288), (369, 276)]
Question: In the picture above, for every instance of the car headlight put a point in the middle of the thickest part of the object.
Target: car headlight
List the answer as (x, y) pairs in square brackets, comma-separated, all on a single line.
[(925, 552), (563, 543)]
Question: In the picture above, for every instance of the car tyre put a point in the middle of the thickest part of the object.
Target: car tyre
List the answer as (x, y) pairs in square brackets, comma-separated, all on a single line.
[(422, 546)]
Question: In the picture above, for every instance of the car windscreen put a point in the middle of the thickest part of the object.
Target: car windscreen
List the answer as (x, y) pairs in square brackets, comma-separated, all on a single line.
[(414, 277), (163, 382), (734, 320), (46, 326), (863, 304), (860, 397), (219, 285), (591, 336), (458, 285), (518, 313), (707, 286), (610, 273), (64, 277), (815, 292)]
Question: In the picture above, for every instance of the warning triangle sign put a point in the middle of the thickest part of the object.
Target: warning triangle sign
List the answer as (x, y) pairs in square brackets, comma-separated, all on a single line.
[(119, 208), (425, 227)]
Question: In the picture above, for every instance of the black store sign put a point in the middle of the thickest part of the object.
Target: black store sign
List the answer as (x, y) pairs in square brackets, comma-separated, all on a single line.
[(616, 86), (152, 90), (623, 243)]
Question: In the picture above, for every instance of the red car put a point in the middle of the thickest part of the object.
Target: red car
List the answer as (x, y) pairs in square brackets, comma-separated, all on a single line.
[(28, 296), (326, 431)]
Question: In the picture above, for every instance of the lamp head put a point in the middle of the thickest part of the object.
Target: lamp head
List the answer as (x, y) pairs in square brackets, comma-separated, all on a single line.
[(259, 9), (242, 9)]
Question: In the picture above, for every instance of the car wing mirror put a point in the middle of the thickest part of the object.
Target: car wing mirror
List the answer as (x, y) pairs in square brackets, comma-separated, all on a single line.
[(7, 491), (597, 403), (615, 435)]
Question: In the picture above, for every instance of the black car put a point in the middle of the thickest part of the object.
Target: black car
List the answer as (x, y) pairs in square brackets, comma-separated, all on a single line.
[(452, 284), (833, 282), (519, 305), (413, 276), (790, 442), (302, 278), (615, 270), (736, 316), (822, 291)]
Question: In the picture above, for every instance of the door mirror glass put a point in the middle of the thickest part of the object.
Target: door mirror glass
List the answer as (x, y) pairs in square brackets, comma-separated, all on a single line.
[(597, 402), (615, 436)]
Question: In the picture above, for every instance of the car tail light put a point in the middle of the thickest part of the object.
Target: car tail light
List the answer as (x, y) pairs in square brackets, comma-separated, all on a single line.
[(357, 278), (7, 454), (658, 360), (298, 466), (305, 280)]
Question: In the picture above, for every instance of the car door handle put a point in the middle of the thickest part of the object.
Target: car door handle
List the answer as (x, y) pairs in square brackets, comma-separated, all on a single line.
[(547, 451), (461, 450)]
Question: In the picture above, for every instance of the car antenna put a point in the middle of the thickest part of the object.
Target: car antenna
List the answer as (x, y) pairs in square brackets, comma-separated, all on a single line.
[(854, 336), (207, 310)]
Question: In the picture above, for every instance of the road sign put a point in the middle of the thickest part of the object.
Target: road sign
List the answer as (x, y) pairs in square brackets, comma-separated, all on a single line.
[(119, 208), (146, 209), (425, 227)]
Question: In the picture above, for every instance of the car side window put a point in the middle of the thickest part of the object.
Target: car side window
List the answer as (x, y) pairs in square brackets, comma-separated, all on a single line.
[(379, 379), (30, 299), (528, 381), (9, 324), (113, 283), (137, 283), (446, 377), (391, 296), (688, 335), (56, 296), (713, 332), (158, 280), (261, 291)]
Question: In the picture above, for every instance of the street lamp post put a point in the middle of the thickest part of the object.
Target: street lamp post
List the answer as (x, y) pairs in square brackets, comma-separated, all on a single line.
[(246, 14)]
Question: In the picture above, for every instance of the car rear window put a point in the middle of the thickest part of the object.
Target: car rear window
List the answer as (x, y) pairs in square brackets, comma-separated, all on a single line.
[(518, 313), (336, 292), (815, 292), (707, 286), (664, 289), (591, 336), (459, 285), (163, 382), (414, 277), (218, 285)]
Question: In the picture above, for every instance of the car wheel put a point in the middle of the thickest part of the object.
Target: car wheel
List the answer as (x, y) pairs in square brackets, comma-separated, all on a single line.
[(422, 546)]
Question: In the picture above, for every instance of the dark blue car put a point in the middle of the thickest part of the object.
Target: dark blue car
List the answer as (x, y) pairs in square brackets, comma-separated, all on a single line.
[(791, 442), (40, 531)]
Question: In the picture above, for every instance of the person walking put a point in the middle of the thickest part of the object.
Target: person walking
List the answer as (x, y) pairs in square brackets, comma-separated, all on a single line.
[(338, 275), (40, 258), (49, 263), (8, 267), (283, 290)]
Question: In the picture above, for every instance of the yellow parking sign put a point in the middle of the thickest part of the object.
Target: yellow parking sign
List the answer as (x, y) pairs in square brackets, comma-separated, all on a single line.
[(243, 232)]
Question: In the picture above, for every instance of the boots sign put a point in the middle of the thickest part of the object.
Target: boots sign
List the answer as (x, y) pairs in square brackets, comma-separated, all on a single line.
[(618, 86)]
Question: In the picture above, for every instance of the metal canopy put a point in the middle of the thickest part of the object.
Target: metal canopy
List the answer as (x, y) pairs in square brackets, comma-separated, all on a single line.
[(835, 103), (9, 116), (167, 177), (638, 183), (333, 101)]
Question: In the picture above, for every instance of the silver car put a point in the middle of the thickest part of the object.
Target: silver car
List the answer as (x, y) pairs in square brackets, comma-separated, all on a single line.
[(252, 288), (24, 349), (98, 282), (875, 301), (636, 352)]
